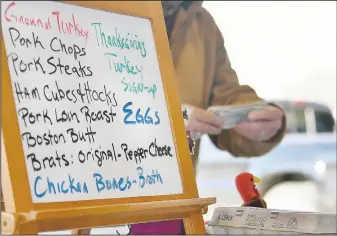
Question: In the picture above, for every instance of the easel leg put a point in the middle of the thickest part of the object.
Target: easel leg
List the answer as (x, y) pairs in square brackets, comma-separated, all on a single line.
[(10, 224), (2, 202), (195, 223), (81, 231)]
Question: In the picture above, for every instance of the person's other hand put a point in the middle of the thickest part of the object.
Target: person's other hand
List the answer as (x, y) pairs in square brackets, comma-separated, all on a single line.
[(262, 124), (201, 121)]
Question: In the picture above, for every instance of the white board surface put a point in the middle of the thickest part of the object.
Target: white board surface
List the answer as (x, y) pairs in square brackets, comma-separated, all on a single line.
[(79, 76)]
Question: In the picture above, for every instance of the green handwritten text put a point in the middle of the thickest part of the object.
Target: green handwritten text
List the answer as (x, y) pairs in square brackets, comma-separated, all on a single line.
[(139, 87), (130, 41), (122, 66)]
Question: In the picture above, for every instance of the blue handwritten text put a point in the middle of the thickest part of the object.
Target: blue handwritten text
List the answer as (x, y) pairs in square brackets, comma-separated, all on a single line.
[(139, 118), (70, 186), (124, 183)]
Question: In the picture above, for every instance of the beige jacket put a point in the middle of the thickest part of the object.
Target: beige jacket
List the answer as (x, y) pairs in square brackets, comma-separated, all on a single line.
[(205, 77)]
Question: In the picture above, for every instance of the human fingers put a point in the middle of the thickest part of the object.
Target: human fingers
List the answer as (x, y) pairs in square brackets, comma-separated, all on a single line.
[(253, 135), (268, 113), (259, 130), (257, 125), (208, 117), (195, 135), (246, 133), (205, 128)]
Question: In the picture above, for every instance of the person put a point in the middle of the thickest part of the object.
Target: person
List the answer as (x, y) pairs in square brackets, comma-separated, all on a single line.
[(205, 78)]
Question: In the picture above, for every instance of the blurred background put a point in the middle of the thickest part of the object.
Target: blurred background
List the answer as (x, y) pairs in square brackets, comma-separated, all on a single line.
[(282, 47), (287, 52)]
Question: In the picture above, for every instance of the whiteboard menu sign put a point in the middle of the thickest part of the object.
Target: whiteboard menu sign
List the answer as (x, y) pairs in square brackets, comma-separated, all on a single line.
[(90, 103)]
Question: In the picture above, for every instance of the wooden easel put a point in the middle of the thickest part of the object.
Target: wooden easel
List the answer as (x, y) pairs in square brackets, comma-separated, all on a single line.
[(23, 216), (88, 230)]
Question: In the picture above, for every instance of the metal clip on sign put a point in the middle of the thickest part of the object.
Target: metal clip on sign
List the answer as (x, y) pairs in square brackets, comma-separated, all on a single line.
[(191, 141)]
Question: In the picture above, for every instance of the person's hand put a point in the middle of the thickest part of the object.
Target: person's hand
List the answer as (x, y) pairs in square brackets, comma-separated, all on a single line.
[(262, 124), (201, 121)]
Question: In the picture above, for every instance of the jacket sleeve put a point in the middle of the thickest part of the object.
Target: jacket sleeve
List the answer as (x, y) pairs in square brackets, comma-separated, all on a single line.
[(227, 91)]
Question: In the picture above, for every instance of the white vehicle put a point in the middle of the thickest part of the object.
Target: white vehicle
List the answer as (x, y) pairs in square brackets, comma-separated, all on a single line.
[(307, 153)]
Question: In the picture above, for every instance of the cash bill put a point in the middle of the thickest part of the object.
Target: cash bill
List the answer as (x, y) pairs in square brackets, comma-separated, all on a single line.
[(235, 114)]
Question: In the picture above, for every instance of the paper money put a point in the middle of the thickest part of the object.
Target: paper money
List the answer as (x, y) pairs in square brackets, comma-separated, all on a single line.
[(235, 114)]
